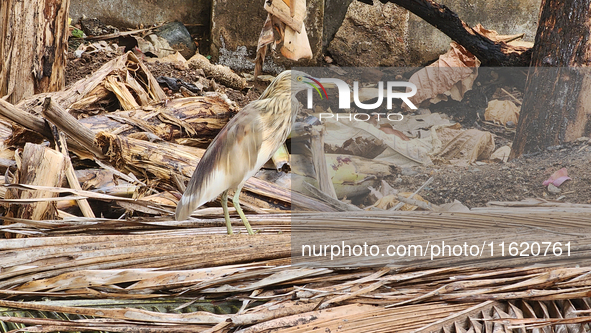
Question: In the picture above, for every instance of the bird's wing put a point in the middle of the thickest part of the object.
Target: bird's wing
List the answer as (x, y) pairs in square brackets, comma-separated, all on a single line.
[(229, 159)]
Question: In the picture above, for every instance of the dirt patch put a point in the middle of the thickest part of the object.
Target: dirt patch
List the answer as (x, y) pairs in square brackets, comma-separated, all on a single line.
[(87, 64), (521, 178), (244, 97), (160, 69)]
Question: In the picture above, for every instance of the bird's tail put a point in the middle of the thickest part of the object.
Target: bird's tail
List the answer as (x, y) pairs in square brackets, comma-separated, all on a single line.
[(184, 208), (203, 187)]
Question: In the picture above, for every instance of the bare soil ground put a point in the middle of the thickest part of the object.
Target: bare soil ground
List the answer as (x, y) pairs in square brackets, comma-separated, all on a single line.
[(88, 63), (474, 186), (521, 178)]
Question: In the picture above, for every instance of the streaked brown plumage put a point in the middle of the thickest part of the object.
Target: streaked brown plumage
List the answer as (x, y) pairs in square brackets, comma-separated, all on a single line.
[(243, 146)]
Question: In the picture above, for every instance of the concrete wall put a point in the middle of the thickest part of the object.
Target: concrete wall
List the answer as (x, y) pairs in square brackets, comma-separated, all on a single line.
[(132, 13), (235, 32), (507, 17), (239, 23)]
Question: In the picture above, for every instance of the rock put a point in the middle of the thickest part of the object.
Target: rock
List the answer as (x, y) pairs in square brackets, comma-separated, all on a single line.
[(94, 27), (501, 154), (557, 147), (154, 45), (408, 172), (371, 36), (423, 111), (178, 38), (553, 189)]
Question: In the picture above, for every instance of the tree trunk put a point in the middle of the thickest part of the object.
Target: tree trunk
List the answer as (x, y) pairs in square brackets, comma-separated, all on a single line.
[(557, 100), (33, 47)]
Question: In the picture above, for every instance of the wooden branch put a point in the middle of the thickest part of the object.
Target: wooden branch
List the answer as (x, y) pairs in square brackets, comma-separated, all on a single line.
[(24, 119), (120, 33), (401, 203), (62, 146), (31, 122), (489, 53), (421, 204), (71, 126), (221, 74), (280, 159)]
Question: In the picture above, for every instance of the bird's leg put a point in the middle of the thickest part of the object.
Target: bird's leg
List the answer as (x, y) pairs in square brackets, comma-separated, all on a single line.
[(236, 202), (224, 199)]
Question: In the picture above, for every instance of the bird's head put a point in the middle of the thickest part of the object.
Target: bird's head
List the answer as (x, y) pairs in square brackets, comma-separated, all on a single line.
[(302, 81), (291, 81)]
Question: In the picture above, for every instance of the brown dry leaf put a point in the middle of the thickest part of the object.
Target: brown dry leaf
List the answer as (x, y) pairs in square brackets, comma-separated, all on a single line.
[(501, 112), (199, 317), (468, 146), (513, 40), (277, 278), (296, 44), (494, 36), (146, 278), (388, 129), (291, 14), (452, 75)]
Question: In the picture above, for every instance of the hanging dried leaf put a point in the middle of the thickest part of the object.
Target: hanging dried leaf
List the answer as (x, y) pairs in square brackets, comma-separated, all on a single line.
[(452, 75), (272, 33)]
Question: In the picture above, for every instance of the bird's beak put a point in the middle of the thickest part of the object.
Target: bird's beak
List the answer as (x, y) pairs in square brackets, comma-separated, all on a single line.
[(325, 85), (314, 83), (310, 80), (330, 85)]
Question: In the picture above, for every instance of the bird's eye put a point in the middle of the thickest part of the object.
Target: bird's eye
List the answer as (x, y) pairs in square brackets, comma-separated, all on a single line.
[(299, 78)]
